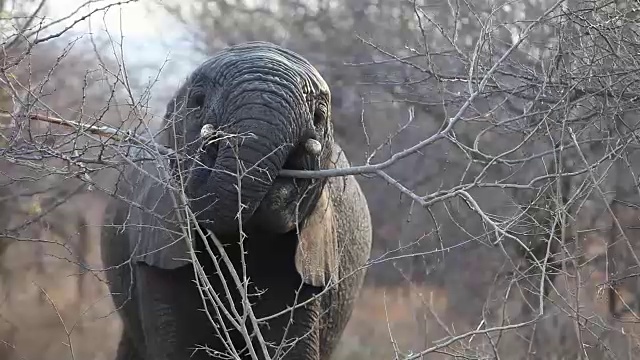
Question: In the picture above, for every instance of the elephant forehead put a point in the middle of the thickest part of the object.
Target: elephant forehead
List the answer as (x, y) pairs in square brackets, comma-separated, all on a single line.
[(258, 56)]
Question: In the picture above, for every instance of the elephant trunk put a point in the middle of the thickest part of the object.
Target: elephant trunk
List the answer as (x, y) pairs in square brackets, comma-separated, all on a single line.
[(246, 165)]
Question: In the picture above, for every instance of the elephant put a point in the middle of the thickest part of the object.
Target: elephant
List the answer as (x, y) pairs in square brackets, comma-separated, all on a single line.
[(238, 121)]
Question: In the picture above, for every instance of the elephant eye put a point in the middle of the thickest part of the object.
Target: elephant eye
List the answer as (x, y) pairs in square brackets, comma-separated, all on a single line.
[(319, 115), (197, 99)]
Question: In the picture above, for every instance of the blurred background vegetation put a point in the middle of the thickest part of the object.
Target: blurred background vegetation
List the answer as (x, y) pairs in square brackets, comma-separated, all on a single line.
[(398, 71)]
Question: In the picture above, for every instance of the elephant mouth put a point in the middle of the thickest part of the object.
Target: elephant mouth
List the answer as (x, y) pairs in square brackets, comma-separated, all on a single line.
[(261, 198), (288, 200)]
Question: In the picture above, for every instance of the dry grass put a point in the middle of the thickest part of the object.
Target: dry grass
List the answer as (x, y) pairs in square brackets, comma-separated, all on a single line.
[(403, 318)]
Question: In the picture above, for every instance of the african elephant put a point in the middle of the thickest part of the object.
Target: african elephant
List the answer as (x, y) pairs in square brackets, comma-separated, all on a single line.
[(300, 235)]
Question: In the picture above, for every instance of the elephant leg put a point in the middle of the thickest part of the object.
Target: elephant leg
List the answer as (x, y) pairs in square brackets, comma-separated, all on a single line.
[(127, 349), (293, 335), (173, 322), (124, 297), (122, 287)]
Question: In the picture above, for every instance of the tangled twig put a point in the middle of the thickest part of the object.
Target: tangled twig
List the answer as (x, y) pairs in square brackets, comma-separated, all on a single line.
[(106, 131)]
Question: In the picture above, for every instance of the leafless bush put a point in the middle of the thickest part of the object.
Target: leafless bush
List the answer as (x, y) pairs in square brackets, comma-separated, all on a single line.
[(48, 179), (506, 129)]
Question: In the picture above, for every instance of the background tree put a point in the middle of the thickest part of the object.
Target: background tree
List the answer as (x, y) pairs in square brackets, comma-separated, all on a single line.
[(49, 209)]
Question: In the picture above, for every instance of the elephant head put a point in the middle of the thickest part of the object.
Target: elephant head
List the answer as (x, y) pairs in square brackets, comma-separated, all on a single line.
[(242, 116)]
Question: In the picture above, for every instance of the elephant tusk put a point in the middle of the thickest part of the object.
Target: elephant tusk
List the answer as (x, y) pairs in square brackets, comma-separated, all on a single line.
[(313, 146), (207, 131)]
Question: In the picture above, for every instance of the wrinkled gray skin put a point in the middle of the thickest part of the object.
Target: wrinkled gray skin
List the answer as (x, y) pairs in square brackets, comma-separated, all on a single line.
[(282, 100)]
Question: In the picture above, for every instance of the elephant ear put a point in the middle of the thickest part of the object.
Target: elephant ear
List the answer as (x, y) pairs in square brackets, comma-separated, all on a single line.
[(154, 234), (316, 255)]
